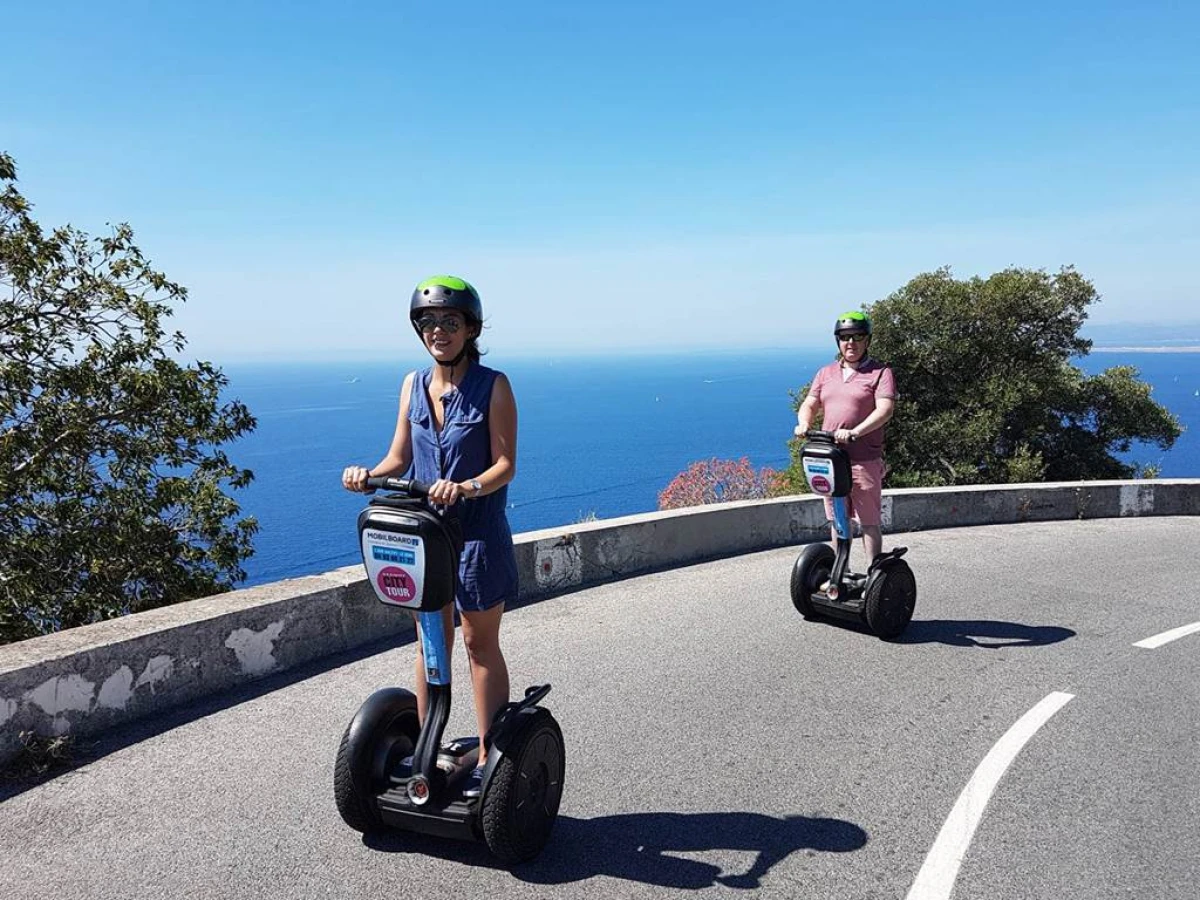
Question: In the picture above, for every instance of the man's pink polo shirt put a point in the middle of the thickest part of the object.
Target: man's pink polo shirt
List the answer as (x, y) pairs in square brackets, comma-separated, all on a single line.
[(847, 403)]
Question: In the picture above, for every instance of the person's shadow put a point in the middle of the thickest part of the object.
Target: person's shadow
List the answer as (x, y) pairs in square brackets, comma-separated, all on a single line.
[(981, 633), (641, 847)]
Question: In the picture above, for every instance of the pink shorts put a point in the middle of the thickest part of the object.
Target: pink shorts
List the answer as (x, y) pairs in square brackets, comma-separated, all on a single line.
[(866, 493)]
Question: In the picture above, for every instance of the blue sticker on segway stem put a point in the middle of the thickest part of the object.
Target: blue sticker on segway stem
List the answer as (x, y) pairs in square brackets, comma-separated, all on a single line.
[(841, 517), (433, 646)]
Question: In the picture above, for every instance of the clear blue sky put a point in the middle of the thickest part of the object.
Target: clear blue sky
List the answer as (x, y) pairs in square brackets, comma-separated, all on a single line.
[(621, 175)]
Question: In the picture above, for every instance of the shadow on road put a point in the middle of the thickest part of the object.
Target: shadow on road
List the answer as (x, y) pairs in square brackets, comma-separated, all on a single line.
[(641, 847), (981, 633)]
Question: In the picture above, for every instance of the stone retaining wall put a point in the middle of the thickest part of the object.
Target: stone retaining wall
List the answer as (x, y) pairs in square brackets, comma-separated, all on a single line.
[(85, 680)]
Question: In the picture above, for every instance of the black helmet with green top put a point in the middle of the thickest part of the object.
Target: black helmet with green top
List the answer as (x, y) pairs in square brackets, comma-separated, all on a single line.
[(446, 292), (853, 322), (449, 292)]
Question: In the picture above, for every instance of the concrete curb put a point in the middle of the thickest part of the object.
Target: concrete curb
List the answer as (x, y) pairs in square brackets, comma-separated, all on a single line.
[(85, 680)]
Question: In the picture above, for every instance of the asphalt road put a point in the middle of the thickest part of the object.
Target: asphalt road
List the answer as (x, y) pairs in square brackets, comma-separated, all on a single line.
[(718, 743)]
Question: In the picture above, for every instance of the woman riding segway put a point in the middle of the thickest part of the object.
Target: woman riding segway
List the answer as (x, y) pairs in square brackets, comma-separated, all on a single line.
[(455, 437), (457, 432)]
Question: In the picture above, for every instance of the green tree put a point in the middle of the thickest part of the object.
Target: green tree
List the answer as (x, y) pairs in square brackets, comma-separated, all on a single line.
[(111, 475), (791, 480), (989, 392)]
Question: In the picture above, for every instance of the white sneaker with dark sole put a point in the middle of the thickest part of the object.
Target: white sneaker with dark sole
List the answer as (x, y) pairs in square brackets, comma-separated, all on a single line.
[(473, 786)]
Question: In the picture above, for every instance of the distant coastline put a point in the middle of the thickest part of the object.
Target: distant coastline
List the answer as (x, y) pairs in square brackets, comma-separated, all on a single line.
[(1194, 348)]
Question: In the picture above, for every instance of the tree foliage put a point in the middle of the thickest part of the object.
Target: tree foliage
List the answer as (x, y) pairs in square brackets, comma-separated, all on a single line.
[(718, 481), (989, 392), (111, 471), (792, 480)]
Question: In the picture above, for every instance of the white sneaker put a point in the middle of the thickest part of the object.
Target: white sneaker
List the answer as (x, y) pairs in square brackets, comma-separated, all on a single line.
[(473, 786)]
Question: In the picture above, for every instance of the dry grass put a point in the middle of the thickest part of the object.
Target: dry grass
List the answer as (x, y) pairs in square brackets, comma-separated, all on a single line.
[(40, 754)]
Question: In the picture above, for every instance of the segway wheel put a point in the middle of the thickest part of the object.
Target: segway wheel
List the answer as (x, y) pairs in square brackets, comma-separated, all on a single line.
[(811, 570), (384, 731), (889, 600), (521, 801)]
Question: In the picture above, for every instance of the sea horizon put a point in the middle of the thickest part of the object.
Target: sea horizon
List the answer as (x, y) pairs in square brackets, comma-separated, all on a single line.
[(1186, 348), (592, 354), (599, 437)]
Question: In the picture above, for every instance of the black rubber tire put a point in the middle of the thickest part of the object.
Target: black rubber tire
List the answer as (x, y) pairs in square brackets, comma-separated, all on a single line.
[(521, 802), (356, 811), (890, 599), (391, 739), (812, 568)]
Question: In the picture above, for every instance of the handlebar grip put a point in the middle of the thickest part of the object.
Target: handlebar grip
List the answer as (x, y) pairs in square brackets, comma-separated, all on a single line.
[(409, 486), (816, 434)]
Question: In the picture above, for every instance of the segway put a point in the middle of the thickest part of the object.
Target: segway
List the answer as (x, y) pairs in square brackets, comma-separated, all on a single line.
[(822, 584), (392, 772)]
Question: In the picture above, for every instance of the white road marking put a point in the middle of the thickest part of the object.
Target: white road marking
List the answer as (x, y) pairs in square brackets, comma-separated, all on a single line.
[(1167, 636), (935, 881)]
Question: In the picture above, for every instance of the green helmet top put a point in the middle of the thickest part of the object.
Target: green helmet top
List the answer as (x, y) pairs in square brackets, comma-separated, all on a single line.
[(446, 292), (852, 321)]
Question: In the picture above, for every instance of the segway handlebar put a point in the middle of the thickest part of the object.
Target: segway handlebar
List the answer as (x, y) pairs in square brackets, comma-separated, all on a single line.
[(409, 486), (816, 434)]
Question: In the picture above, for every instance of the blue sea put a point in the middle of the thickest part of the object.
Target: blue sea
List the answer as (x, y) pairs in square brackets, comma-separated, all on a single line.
[(597, 437)]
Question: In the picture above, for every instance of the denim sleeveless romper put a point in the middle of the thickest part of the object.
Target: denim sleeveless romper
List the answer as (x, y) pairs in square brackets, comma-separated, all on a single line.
[(487, 571)]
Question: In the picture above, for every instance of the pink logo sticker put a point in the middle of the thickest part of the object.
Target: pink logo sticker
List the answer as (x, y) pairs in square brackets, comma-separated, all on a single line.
[(396, 584), (821, 484)]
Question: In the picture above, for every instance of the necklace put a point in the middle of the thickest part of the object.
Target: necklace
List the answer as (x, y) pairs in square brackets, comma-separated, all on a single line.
[(448, 383)]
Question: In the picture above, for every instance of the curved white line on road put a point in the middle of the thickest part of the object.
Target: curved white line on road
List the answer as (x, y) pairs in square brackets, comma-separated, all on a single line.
[(1167, 636), (935, 881)]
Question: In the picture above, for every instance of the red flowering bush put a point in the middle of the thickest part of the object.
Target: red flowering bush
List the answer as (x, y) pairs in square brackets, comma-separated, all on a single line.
[(717, 481)]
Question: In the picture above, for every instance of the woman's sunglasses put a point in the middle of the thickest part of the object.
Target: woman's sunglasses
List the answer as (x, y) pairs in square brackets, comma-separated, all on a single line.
[(448, 324)]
